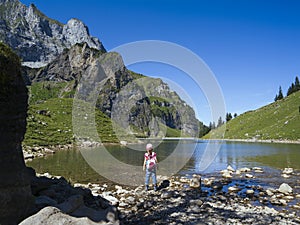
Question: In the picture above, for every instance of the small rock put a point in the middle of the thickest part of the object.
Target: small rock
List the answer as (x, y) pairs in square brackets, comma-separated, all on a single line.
[(288, 171), (196, 202), (207, 182), (245, 169), (28, 156), (226, 174), (269, 192), (195, 182), (165, 195), (249, 175), (288, 198), (233, 189), (123, 204), (285, 189), (296, 206), (285, 175), (48, 151), (282, 202), (257, 168), (130, 200), (250, 192), (184, 180)]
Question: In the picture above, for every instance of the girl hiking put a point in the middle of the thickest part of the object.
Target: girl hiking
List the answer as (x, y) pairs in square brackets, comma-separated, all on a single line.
[(150, 165)]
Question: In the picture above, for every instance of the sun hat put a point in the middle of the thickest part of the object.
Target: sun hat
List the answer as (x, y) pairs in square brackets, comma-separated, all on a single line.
[(149, 146)]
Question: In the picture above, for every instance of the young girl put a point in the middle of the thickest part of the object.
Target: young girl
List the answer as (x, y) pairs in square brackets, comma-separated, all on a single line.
[(150, 165)]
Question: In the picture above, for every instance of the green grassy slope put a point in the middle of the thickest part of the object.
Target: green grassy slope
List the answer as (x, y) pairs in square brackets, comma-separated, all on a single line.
[(50, 123), (279, 120), (49, 120)]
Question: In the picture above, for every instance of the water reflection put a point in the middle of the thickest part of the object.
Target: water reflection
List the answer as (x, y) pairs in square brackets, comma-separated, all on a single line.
[(73, 166)]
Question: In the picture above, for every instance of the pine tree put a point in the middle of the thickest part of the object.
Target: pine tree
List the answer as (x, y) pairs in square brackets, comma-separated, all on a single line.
[(291, 89), (220, 122), (279, 96), (297, 84), (228, 117), (235, 115)]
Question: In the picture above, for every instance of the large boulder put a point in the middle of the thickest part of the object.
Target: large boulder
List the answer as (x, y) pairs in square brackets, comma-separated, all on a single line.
[(51, 215), (15, 193)]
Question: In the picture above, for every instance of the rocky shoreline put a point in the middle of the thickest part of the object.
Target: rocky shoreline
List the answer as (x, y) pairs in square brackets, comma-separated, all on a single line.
[(229, 197), (254, 140), (31, 152)]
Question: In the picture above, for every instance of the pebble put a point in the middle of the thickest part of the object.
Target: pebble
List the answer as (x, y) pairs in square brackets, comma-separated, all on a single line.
[(288, 171), (249, 175)]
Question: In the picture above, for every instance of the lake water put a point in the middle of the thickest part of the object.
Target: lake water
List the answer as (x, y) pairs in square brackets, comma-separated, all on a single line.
[(179, 157)]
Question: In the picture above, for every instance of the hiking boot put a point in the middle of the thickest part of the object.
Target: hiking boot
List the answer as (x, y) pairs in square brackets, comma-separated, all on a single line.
[(147, 188), (155, 187)]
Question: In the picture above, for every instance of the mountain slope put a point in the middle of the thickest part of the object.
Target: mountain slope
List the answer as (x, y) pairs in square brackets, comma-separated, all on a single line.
[(277, 121), (74, 62)]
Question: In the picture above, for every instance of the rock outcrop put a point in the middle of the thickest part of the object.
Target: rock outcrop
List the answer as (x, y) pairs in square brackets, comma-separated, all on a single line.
[(15, 193), (36, 38)]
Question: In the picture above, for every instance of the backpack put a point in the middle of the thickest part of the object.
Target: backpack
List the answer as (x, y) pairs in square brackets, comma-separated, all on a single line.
[(150, 161)]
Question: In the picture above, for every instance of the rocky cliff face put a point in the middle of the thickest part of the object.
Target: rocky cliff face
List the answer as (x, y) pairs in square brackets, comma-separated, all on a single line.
[(15, 192), (36, 38)]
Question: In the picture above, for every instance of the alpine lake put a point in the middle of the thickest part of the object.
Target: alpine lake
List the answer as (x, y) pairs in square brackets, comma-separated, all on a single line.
[(113, 164)]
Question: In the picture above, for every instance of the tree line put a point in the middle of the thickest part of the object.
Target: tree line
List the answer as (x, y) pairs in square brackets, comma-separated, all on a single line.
[(294, 87)]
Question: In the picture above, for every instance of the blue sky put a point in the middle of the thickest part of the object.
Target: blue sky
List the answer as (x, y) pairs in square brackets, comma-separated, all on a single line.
[(252, 46)]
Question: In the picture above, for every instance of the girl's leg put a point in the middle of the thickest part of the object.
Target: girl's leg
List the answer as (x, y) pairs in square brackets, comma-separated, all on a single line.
[(154, 181), (147, 178)]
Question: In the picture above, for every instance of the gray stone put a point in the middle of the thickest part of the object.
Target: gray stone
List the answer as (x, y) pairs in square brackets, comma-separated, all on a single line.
[(285, 188), (288, 171), (195, 182), (52, 215), (166, 194)]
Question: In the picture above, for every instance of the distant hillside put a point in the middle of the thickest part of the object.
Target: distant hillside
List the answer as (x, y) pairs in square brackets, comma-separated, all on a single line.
[(277, 121)]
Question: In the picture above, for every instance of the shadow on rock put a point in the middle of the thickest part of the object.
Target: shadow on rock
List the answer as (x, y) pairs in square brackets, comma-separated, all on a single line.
[(56, 200), (164, 184)]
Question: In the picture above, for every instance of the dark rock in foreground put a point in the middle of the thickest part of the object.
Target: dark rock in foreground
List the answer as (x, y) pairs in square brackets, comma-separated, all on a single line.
[(15, 194)]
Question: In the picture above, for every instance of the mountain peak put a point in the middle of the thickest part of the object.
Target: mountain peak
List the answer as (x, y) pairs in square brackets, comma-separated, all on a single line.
[(38, 39)]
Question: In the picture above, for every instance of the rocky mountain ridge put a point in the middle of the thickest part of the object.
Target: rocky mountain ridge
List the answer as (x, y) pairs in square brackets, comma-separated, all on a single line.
[(145, 101), (67, 53), (36, 38)]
